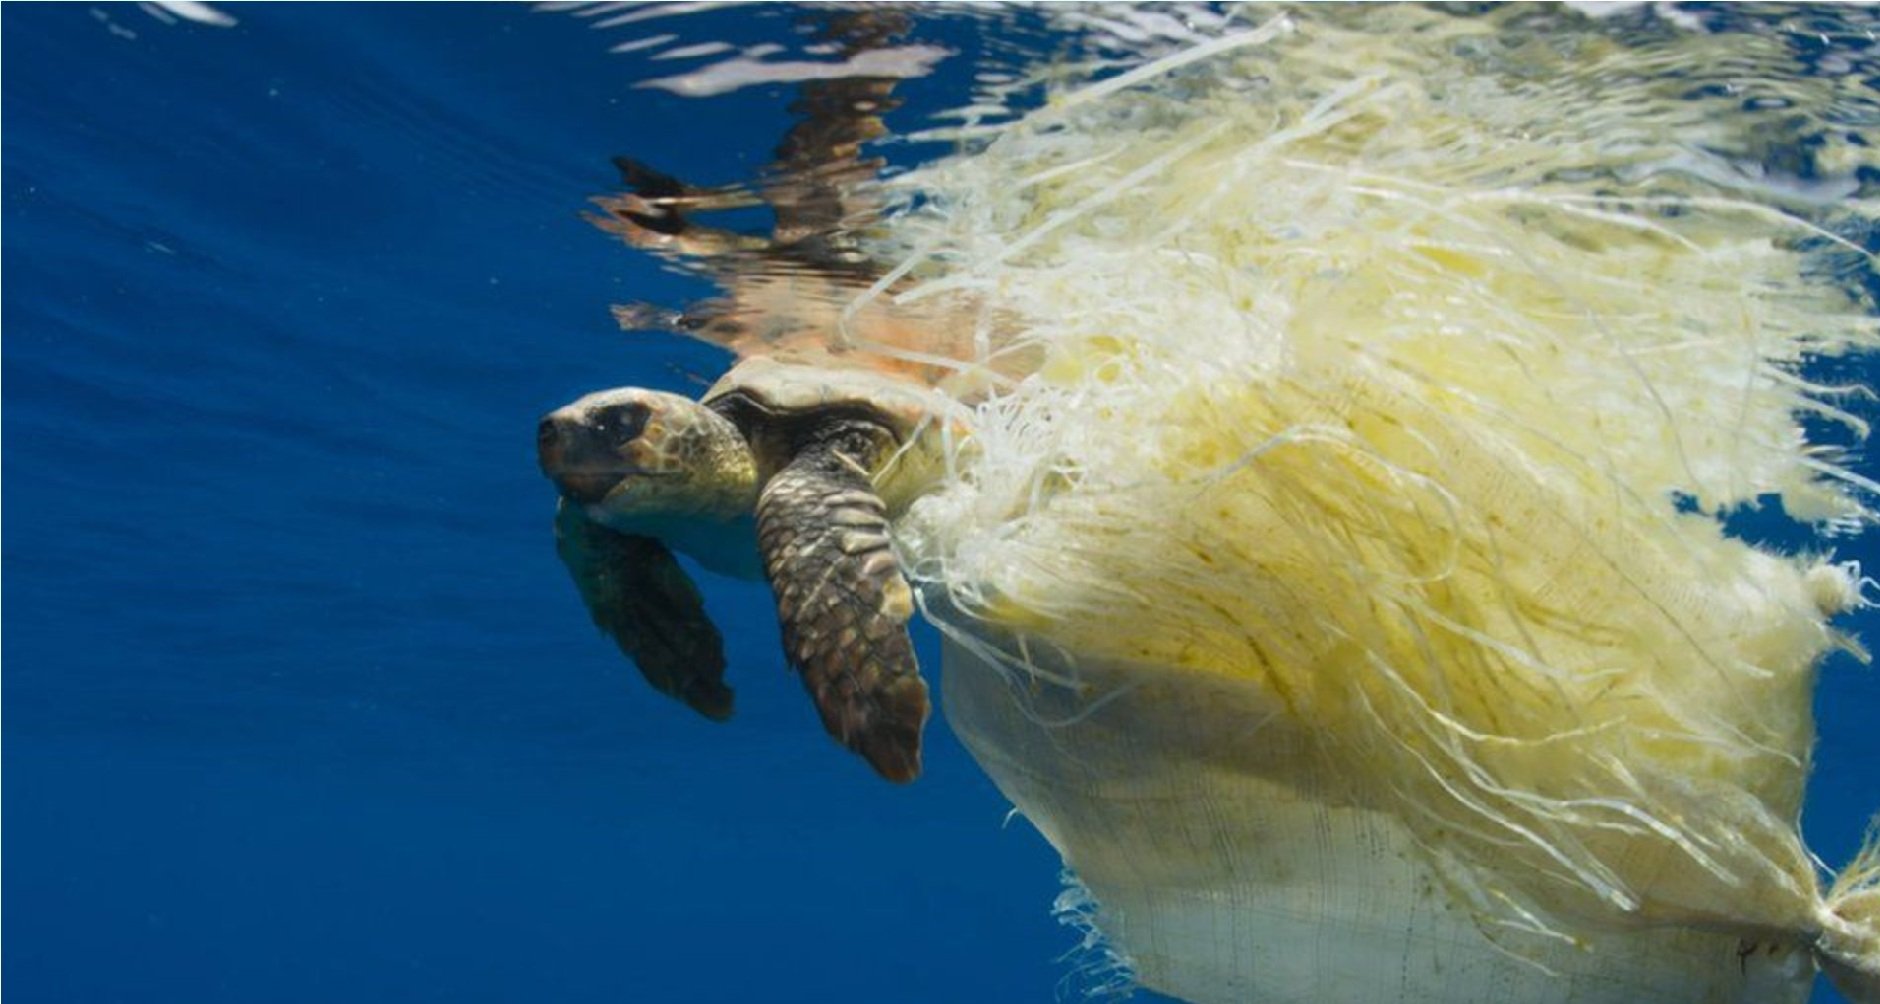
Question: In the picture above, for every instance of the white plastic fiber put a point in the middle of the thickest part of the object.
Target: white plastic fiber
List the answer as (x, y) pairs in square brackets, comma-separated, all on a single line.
[(1395, 375)]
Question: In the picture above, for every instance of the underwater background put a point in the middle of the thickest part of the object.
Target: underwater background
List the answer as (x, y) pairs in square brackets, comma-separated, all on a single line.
[(298, 703)]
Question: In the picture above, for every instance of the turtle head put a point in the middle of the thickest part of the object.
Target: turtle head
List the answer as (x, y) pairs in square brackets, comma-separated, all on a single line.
[(636, 457)]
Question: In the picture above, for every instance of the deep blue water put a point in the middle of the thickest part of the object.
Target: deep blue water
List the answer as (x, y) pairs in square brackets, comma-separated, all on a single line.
[(299, 705)]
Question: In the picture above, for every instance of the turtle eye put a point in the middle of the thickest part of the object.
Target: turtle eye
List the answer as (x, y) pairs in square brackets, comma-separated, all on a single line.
[(621, 423)]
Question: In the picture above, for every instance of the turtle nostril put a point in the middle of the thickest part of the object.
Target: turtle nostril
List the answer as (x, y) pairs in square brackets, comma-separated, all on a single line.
[(547, 434)]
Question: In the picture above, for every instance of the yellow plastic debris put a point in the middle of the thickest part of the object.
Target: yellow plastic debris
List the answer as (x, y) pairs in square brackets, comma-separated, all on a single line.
[(1346, 596)]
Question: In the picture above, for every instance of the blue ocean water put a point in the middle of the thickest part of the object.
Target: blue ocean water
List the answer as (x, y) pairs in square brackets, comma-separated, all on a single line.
[(298, 702)]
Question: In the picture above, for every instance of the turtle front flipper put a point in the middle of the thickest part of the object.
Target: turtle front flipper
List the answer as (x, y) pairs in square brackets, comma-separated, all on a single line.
[(841, 597), (639, 595)]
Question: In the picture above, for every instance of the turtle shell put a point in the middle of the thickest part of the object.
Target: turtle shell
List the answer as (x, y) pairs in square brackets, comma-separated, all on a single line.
[(803, 389), (767, 397)]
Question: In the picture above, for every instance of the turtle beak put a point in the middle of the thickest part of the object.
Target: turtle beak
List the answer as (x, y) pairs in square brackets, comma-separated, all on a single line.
[(582, 449)]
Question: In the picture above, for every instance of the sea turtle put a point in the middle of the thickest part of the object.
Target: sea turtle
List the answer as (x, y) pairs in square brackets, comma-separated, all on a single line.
[(797, 458), (821, 456)]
